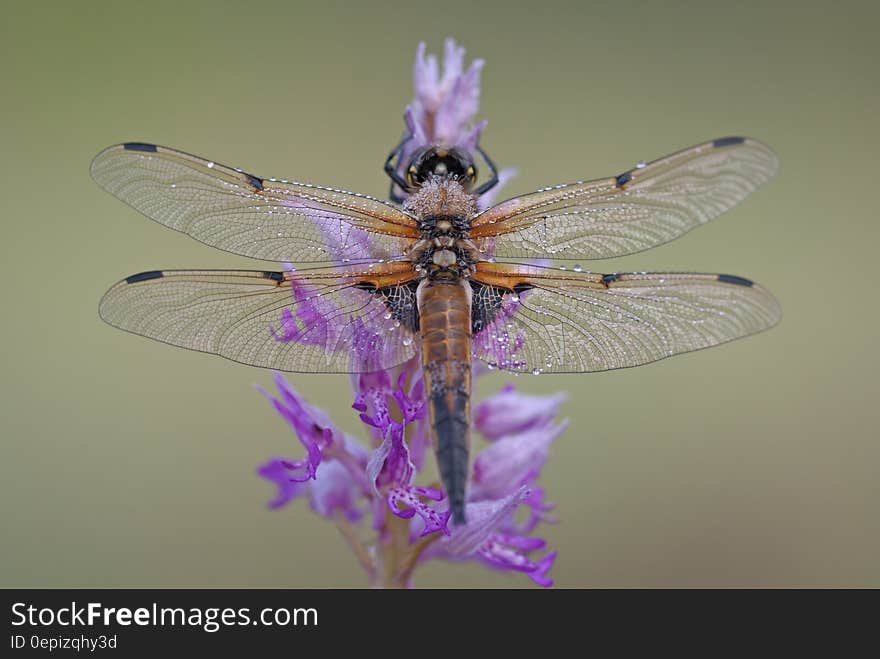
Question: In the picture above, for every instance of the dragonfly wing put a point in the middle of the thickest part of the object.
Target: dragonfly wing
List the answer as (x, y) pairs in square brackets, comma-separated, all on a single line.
[(547, 321), (641, 208), (317, 322), (238, 212)]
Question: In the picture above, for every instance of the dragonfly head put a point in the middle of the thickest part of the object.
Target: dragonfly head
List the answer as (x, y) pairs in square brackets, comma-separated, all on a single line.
[(432, 161)]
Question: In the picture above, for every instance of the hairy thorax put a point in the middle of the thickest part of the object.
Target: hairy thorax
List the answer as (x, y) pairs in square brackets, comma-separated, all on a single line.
[(444, 210)]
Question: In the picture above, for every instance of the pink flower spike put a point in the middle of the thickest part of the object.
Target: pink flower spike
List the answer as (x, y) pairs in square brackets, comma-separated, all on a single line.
[(367, 489)]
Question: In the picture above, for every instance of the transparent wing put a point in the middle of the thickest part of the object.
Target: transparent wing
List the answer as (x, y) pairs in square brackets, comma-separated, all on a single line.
[(241, 213), (583, 322), (639, 209), (319, 322)]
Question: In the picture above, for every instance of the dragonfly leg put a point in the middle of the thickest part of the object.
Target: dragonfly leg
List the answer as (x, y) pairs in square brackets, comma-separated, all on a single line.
[(492, 182), (391, 170)]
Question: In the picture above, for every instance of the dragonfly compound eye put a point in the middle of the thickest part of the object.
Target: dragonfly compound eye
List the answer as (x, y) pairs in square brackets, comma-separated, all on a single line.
[(440, 162)]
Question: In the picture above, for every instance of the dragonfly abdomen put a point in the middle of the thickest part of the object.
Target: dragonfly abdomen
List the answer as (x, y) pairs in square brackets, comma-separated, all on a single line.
[(445, 325)]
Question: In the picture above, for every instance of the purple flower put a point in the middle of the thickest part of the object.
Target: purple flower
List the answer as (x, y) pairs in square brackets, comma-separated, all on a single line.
[(340, 477), (391, 469), (504, 475), (338, 458), (391, 515), (333, 489), (444, 109), (312, 428), (446, 103)]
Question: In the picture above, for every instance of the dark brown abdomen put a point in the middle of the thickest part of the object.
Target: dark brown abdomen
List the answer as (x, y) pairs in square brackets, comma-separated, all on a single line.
[(445, 321)]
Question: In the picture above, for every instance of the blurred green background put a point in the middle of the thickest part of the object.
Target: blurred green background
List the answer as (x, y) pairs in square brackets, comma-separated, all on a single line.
[(128, 462)]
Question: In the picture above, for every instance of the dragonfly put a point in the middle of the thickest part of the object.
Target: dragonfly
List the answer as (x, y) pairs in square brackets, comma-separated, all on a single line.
[(435, 277)]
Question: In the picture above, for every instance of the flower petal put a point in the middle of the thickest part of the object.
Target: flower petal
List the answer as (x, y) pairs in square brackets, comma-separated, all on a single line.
[(412, 404), (500, 555), (459, 105), (538, 509), (409, 497), (390, 464), (483, 518), (334, 489), (277, 471), (311, 425), (510, 411), (513, 460)]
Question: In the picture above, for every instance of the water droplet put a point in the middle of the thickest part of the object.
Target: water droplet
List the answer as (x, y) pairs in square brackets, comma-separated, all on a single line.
[(407, 340), (562, 267), (387, 315), (578, 268), (210, 165), (641, 164), (536, 371)]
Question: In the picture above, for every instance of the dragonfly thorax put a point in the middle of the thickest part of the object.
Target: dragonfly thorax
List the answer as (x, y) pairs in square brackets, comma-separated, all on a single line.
[(444, 258), (443, 208), (440, 200)]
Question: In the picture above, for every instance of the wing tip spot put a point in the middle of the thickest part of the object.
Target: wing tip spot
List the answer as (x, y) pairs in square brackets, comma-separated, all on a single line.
[(738, 281), (624, 178), (144, 276), (727, 141), (140, 146)]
